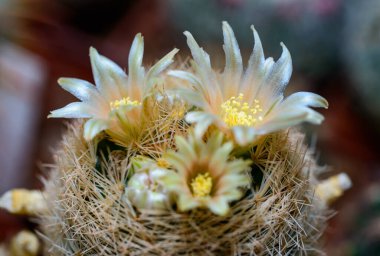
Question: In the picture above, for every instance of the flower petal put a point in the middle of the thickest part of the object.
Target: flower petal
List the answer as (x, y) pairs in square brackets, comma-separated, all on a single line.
[(93, 127), (283, 120), (294, 110), (220, 156), (203, 121), (185, 76), (136, 71), (306, 99), (184, 147), (186, 202), (209, 86), (234, 64), (73, 110), (218, 206), (178, 161), (109, 77), (160, 66), (81, 89), (193, 98), (255, 70), (278, 78), (243, 135)]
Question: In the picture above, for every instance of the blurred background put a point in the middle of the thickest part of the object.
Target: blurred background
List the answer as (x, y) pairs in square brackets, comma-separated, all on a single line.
[(335, 46)]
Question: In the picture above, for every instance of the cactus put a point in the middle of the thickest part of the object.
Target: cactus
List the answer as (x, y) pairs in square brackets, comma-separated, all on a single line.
[(189, 162), (88, 215)]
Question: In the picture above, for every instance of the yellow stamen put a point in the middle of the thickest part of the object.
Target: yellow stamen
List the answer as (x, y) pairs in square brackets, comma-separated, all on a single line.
[(201, 185), (237, 112), (162, 163), (124, 102)]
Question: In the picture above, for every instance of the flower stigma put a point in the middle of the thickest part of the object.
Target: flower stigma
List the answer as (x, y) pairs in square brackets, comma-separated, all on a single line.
[(116, 104), (201, 185), (237, 112)]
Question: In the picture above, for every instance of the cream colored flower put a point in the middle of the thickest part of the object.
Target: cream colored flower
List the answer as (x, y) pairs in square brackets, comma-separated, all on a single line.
[(245, 103), (205, 175), (116, 103)]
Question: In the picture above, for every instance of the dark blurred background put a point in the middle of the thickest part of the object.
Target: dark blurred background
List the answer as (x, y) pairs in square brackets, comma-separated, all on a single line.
[(335, 46)]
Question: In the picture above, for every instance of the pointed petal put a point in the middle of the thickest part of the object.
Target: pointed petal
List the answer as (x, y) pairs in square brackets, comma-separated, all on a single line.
[(201, 128), (264, 91), (234, 63), (177, 162), (215, 141), (185, 76), (255, 71), (243, 135), (238, 166), (279, 76), (224, 151), (135, 69), (196, 116), (199, 55), (306, 99), (294, 110), (185, 148), (230, 193), (93, 127), (186, 202), (109, 77), (314, 117), (283, 120), (81, 89), (268, 66), (171, 180), (218, 206), (73, 110), (203, 122), (209, 85), (193, 98), (221, 155), (160, 66)]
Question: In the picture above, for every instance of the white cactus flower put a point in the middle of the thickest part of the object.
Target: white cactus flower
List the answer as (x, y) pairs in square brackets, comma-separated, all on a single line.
[(245, 103), (204, 175), (115, 103)]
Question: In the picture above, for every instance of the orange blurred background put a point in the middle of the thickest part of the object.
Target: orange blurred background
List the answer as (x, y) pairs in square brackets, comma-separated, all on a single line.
[(335, 46)]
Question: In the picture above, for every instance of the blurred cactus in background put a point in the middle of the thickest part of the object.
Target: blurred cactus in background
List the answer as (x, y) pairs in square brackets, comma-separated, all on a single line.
[(362, 53), (310, 29)]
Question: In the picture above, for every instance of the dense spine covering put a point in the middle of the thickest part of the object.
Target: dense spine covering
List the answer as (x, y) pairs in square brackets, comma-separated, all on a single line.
[(196, 162)]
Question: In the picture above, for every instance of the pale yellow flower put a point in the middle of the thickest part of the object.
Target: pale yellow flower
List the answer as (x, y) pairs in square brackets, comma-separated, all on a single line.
[(205, 175), (245, 103), (116, 102)]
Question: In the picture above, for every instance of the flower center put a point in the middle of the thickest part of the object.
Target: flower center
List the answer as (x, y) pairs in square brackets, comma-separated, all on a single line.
[(124, 102), (237, 112), (201, 185)]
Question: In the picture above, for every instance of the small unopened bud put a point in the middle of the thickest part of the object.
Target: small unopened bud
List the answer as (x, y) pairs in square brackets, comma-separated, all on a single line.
[(331, 189), (144, 190), (23, 201), (25, 243)]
